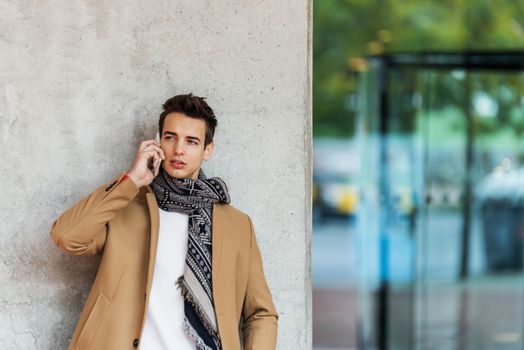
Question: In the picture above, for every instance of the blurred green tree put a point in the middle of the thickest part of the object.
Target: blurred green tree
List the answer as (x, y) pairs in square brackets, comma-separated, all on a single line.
[(344, 31)]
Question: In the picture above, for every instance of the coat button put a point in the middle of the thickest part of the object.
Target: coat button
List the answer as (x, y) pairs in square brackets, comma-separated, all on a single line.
[(135, 343)]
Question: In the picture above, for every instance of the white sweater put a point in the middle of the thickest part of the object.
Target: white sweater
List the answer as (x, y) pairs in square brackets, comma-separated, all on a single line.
[(164, 329)]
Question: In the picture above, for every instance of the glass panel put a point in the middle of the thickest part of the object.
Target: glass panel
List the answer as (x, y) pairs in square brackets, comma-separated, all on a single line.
[(402, 166), (443, 127), (367, 222), (441, 216), (471, 233)]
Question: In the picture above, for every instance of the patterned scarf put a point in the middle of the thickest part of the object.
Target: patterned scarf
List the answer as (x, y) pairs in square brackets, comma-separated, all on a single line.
[(195, 198)]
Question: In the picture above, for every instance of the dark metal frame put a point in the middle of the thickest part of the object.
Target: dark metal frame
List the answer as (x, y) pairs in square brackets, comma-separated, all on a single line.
[(471, 60)]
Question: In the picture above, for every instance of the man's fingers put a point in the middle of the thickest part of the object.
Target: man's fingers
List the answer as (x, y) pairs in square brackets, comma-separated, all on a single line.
[(151, 163), (155, 148), (154, 157), (146, 143)]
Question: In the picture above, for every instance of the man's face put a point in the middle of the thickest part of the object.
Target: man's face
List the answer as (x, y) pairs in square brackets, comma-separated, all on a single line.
[(183, 144)]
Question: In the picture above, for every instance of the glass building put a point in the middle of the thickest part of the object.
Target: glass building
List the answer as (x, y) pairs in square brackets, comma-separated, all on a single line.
[(441, 212)]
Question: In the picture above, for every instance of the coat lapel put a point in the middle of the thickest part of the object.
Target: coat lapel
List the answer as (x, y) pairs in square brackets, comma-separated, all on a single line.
[(154, 222), (216, 241)]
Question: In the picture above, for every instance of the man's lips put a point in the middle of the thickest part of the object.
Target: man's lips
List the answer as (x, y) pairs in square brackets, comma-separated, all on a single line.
[(177, 164)]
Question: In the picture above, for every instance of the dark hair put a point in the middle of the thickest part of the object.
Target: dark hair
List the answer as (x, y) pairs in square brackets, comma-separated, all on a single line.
[(192, 106)]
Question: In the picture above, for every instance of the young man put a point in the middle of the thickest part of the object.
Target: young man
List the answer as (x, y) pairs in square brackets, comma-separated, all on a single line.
[(180, 267)]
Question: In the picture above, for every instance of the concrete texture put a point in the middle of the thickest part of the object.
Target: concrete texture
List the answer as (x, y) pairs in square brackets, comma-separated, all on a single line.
[(81, 84)]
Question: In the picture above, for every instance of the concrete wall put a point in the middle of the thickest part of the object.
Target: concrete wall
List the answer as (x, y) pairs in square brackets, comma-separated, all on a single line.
[(81, 83)]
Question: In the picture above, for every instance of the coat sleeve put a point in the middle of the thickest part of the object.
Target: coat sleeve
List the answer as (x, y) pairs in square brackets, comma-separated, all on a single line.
[(260, 316), (82, 229)]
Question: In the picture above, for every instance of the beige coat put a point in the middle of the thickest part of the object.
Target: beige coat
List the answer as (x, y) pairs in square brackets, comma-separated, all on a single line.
[(121, 222)]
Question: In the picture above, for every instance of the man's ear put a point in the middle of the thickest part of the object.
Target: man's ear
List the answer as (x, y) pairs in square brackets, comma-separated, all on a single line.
[(208, 151)]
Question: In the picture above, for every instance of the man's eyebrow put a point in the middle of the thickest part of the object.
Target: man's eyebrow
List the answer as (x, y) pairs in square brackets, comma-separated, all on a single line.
[(189, 137)]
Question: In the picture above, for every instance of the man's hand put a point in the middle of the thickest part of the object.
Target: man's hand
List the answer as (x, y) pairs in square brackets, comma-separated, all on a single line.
[(139, 171)]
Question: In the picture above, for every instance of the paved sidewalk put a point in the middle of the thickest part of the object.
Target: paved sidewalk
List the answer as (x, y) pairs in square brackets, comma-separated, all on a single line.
[(486, 314), (334, 319)]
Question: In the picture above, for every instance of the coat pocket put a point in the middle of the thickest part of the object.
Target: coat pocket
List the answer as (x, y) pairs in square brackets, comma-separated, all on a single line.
[(109, 276), (93, 322)]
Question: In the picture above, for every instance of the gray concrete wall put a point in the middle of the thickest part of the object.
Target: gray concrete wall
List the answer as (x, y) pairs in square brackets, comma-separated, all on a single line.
[(81, 83)]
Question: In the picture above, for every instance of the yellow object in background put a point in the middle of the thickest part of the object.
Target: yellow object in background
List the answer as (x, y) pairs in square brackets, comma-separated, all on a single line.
[(348, 200)]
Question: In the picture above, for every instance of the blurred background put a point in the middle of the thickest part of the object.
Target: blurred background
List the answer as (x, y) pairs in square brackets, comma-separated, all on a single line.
[(418, 172)]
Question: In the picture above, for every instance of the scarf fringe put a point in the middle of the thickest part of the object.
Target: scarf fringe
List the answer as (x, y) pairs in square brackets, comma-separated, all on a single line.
[(186, 293), (193, 334)]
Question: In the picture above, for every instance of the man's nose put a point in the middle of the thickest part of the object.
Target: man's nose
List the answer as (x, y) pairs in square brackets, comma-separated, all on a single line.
[(179, 147)]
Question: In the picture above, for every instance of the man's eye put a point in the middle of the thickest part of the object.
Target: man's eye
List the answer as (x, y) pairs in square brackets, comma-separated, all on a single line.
[(193, 142)]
